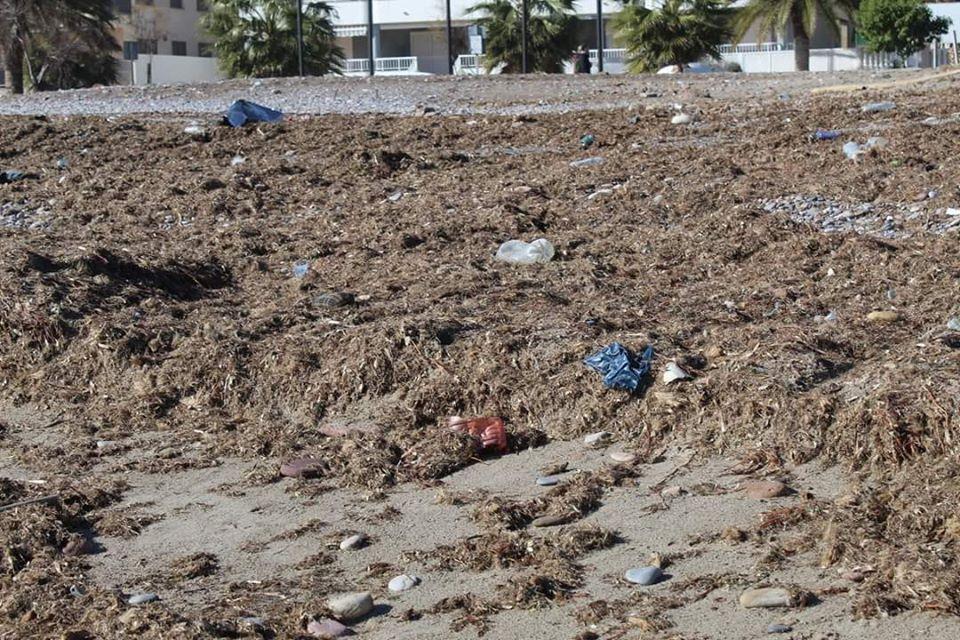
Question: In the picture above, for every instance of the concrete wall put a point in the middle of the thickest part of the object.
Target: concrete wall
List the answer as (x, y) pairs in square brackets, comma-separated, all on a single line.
[(781, 61), (162, 69)]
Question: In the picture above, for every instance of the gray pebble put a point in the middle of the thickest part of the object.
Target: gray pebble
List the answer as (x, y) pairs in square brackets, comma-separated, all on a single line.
[(779, 628), (355, 541), (403, 583), (644, 575), (142, 598), (547, 481)]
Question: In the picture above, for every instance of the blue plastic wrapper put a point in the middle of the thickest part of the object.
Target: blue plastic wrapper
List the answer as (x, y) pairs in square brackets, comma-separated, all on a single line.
[(11, 175), (826, 135), (621, 368), (241, 112)]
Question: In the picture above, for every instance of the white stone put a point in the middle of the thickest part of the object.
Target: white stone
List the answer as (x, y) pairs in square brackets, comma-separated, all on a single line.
[(403, 583), (350, 606)]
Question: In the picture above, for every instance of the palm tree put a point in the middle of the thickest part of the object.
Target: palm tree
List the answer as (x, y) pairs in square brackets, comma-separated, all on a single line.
[(551, 32), (259, 38), (678, 33), (801, 15), (31, 26)]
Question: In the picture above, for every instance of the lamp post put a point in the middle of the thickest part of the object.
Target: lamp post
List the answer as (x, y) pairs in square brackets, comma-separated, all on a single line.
[(449, 40), (300, 37), (599, 36), (524, 18), (370, 61)]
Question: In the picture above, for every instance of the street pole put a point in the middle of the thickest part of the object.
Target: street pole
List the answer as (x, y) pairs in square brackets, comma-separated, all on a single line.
[(449, 40), (370, 60), (599, 36), (524, 17), (300, 37)]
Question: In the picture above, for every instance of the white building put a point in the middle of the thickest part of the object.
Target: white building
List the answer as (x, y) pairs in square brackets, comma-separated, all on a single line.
[(163, 41)]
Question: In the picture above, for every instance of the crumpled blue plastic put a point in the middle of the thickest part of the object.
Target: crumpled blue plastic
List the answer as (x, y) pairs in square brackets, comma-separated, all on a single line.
[(821, 134), (241, 112), (621, 368), (11, 175)]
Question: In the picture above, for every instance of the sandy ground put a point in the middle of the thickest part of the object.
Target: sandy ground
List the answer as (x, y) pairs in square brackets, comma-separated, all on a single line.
[(260, 533)]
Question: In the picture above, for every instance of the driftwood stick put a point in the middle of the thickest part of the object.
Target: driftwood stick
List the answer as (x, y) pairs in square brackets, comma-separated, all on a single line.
[(23, 503)]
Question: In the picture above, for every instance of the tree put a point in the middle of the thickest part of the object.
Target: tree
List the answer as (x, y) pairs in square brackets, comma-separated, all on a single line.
[(899, 26), (258, 38), (551, 29), (678, 33), (801, 15), (35, 32)]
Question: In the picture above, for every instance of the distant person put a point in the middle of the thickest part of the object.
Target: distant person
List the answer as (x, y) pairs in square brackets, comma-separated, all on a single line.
[(581, 60)]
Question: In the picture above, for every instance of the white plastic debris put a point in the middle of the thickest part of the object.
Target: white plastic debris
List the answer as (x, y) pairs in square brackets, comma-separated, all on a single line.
[(875, 107), (586, 162), (520, 252), (683, 118), (673, 372)]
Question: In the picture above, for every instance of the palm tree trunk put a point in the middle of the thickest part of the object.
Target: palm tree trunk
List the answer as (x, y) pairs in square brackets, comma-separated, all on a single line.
[(801, 42), (13, 66)]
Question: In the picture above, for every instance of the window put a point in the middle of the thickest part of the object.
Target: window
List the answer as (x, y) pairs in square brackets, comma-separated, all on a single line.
[(147, 47), (202, 5), (146, 2), (205, 50), (179, 47), (176, 4), (121, 6), (130, 50)]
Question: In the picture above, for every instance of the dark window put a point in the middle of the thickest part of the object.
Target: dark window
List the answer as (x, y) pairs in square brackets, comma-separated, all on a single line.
[(130, 50), (202, 5), (176, 4), (121, 6), (205, 50), (179, 48), (147, 47), (146, 2)]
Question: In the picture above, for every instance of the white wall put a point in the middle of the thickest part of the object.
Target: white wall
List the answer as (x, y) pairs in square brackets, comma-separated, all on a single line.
[(779, 61), (172, 69)]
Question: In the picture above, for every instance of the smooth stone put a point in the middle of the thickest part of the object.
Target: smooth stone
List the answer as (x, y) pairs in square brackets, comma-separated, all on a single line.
[(597, 438), (403, 583), (672, 491), (547, 481), (356, 541), (301, 468), (764, 489), (327, 628), (622, 456), (142, 598), (779, 628), (883, 316), (351, 606), (335, 299), (551, 521), (683, 118), (644, 575), (852, 576), (766, 597)]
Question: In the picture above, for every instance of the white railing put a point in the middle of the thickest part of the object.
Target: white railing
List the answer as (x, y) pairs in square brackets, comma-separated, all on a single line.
[(469, 64), (756, 47), (398, 66), (612, 56)]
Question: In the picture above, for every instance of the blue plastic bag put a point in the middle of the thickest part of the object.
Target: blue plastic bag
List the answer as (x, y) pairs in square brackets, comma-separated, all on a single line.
[(241, 112), (620, 368), (820, 134), (11, 175)]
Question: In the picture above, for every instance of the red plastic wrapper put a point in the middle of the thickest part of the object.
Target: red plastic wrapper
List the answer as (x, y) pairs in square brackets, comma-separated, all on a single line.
[(490, 432)]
